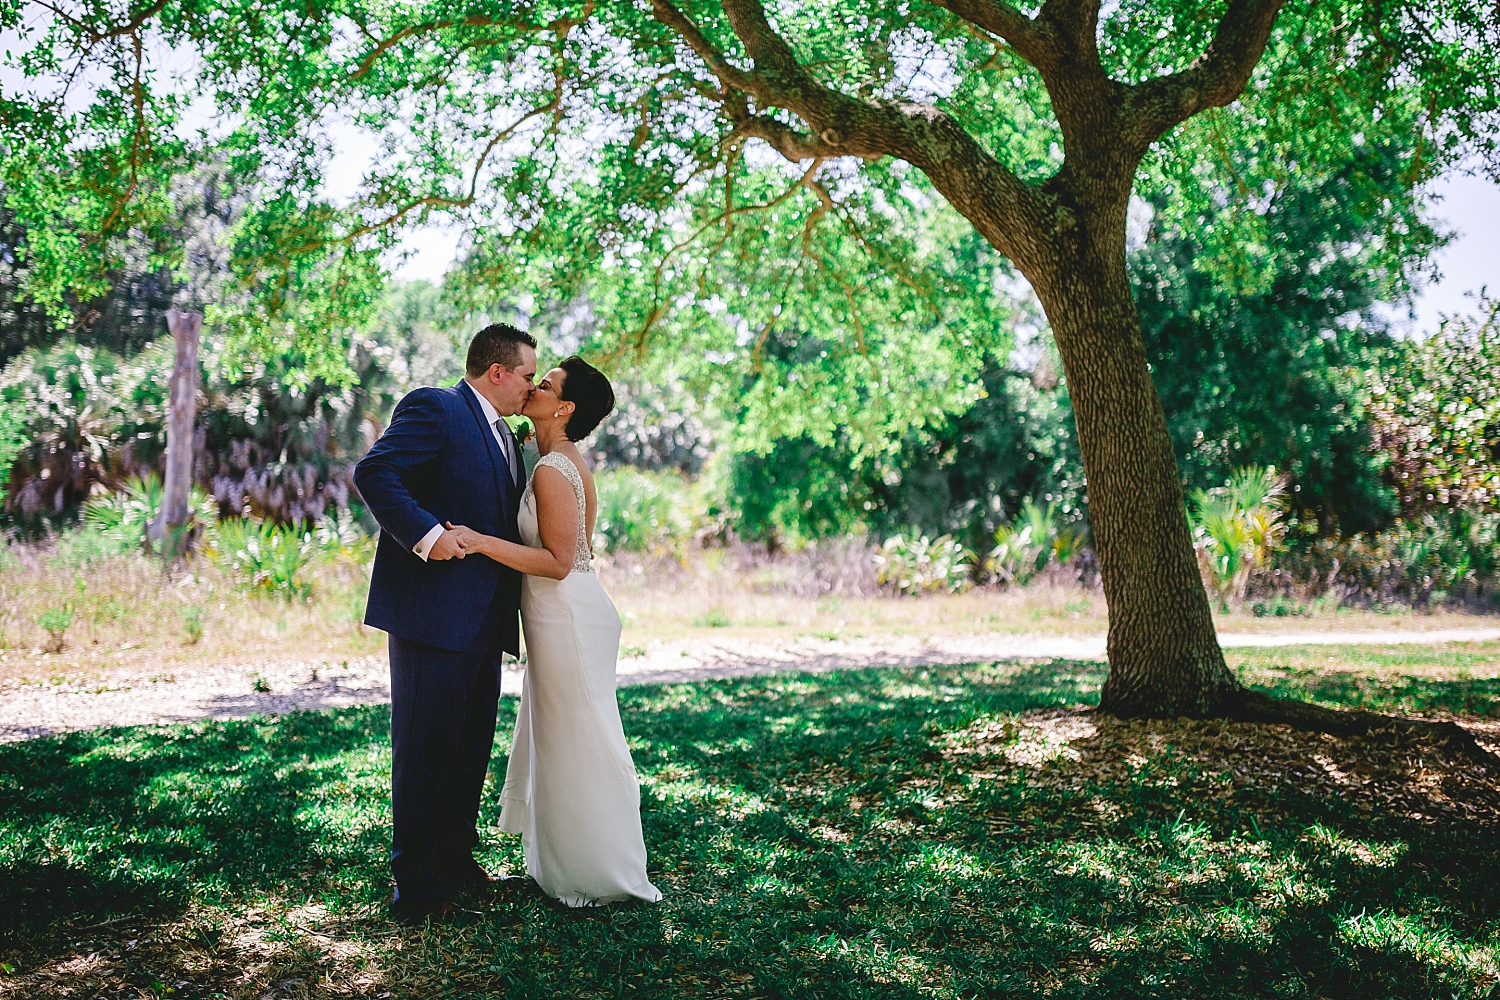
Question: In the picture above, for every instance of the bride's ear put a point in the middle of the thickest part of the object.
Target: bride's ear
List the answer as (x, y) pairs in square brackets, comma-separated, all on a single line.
[(565, 408)]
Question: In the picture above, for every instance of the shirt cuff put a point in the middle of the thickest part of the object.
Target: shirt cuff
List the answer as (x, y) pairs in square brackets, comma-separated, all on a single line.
[(425, 545)]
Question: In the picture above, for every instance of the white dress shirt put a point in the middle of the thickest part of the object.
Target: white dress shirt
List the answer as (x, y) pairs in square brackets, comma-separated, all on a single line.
[(493, 418)]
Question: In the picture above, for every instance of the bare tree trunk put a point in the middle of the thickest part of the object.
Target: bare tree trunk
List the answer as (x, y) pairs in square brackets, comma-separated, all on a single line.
[(168, 531), (1164, 656)]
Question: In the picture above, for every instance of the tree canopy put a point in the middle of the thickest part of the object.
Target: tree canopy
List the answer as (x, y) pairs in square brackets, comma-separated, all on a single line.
[(639, 167)]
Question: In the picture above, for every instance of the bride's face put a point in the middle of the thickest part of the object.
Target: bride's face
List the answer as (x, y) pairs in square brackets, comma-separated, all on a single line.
[(546, 399)]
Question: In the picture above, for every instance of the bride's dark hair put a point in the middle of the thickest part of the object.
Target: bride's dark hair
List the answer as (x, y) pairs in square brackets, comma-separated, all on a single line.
[(590, 393)]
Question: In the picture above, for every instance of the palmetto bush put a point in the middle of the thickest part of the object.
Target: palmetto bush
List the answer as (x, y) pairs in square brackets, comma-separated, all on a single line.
[(340, 534), (269, 558), (1237, 528), (122, 516), (643, 511), (1036, 539), (912, 563)]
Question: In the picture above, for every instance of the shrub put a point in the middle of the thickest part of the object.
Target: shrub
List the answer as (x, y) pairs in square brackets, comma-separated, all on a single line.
[(1432, 559), (269, 558), (192, 623), (1032, 542), (56, 622), (119, 519), (89, 416), (643, 511), (12, 434), (912, 564), (1436, 414), (341, 534), (1236, 528)]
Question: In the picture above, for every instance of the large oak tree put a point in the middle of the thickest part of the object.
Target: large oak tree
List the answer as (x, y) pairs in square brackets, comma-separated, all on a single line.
[(624, 155)]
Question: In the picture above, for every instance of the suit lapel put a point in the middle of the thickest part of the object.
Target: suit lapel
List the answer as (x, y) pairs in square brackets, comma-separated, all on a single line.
[(497, 460)]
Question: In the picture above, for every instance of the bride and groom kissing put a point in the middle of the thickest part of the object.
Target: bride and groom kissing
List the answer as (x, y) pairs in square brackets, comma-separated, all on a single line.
[(468, 544)]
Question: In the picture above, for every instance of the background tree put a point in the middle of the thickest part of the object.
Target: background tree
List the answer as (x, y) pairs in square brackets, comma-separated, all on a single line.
[(622, 152)]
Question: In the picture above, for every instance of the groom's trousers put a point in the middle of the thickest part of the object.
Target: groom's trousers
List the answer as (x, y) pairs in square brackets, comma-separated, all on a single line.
[(443, 707)]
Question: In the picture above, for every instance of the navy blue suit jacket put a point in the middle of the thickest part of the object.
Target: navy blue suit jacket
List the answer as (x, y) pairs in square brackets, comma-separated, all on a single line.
[(437, 462)]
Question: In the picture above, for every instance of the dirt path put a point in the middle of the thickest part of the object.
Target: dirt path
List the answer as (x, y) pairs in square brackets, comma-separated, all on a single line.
[(237, 690)]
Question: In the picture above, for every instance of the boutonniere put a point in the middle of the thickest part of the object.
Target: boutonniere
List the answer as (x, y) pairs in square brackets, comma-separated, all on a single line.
[(524, 431)]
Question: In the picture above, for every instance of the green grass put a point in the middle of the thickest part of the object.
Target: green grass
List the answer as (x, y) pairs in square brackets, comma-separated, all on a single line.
[(865, 834), (1461, 678)]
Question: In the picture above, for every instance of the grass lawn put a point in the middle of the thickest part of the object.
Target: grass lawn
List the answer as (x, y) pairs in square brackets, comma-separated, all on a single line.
[(953, 832)]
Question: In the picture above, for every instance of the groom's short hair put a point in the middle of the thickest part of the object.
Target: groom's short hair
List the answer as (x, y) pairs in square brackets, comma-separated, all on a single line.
[(497, 344)]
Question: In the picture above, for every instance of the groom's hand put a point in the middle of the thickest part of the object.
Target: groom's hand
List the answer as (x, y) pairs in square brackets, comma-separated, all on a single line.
[(447, 546), (468, 539)]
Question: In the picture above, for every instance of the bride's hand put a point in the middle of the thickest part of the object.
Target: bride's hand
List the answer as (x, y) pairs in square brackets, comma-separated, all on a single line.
[(468, 539)]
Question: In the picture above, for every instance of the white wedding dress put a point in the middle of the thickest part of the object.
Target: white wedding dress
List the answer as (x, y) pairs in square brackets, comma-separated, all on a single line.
[(570, 787)]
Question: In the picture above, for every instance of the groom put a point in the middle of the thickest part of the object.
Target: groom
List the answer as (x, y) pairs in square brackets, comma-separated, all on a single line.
[(447, 456)]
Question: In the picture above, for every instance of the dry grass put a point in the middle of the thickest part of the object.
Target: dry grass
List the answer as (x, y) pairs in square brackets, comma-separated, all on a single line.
[(131, 619)]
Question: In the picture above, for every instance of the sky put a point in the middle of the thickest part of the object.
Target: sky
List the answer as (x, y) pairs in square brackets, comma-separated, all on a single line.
[(1469, 207)]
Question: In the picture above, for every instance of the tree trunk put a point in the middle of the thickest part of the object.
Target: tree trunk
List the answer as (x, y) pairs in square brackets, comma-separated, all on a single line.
[(169, 531), (1164, 656)]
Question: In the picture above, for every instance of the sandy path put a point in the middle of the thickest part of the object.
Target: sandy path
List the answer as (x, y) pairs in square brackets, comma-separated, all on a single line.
[(233, 691)]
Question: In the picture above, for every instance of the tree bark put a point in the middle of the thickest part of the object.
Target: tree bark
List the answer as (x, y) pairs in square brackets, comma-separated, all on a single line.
[(1164, 655), (168, 531)]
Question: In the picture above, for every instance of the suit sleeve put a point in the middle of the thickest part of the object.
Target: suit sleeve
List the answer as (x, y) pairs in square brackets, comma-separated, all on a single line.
[(413, 440)]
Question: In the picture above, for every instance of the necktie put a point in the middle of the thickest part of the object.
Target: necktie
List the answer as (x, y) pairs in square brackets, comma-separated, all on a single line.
[(510, 459)]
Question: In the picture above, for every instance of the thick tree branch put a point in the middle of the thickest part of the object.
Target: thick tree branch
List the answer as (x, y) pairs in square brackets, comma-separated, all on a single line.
[(1031, 41), (790, 143), (1214, 79), (1006, 210), (728, 74)]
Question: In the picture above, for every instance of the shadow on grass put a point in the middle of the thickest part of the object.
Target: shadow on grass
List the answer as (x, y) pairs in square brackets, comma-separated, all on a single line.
[(1477, 697), (141, 821), (952, 832)]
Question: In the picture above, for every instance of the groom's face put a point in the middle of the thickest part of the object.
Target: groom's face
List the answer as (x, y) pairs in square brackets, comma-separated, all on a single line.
[(509, 389)]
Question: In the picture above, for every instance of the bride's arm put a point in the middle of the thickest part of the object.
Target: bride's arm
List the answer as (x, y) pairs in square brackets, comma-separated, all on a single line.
[(557, 517)]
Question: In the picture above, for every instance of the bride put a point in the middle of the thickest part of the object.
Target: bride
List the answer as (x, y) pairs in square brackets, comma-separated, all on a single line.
[(570, 788)]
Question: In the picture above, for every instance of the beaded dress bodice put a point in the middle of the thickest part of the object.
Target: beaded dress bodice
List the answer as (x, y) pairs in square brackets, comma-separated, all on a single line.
[(531, 532)]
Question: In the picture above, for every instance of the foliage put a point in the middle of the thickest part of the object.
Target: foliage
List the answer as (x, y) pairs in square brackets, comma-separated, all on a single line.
[(56, 622), (606, 172), (1443, 556), (341, 533), (791, 821), (642, 511), (797, 492), (1436, 415), (192, 623), (1036, 539), (269, 558), (959, 475), (911, 564), (90, 417), (1237, 528), (1278, 374), (657, 424), (275, 443), (121, 517), (13, 438)]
